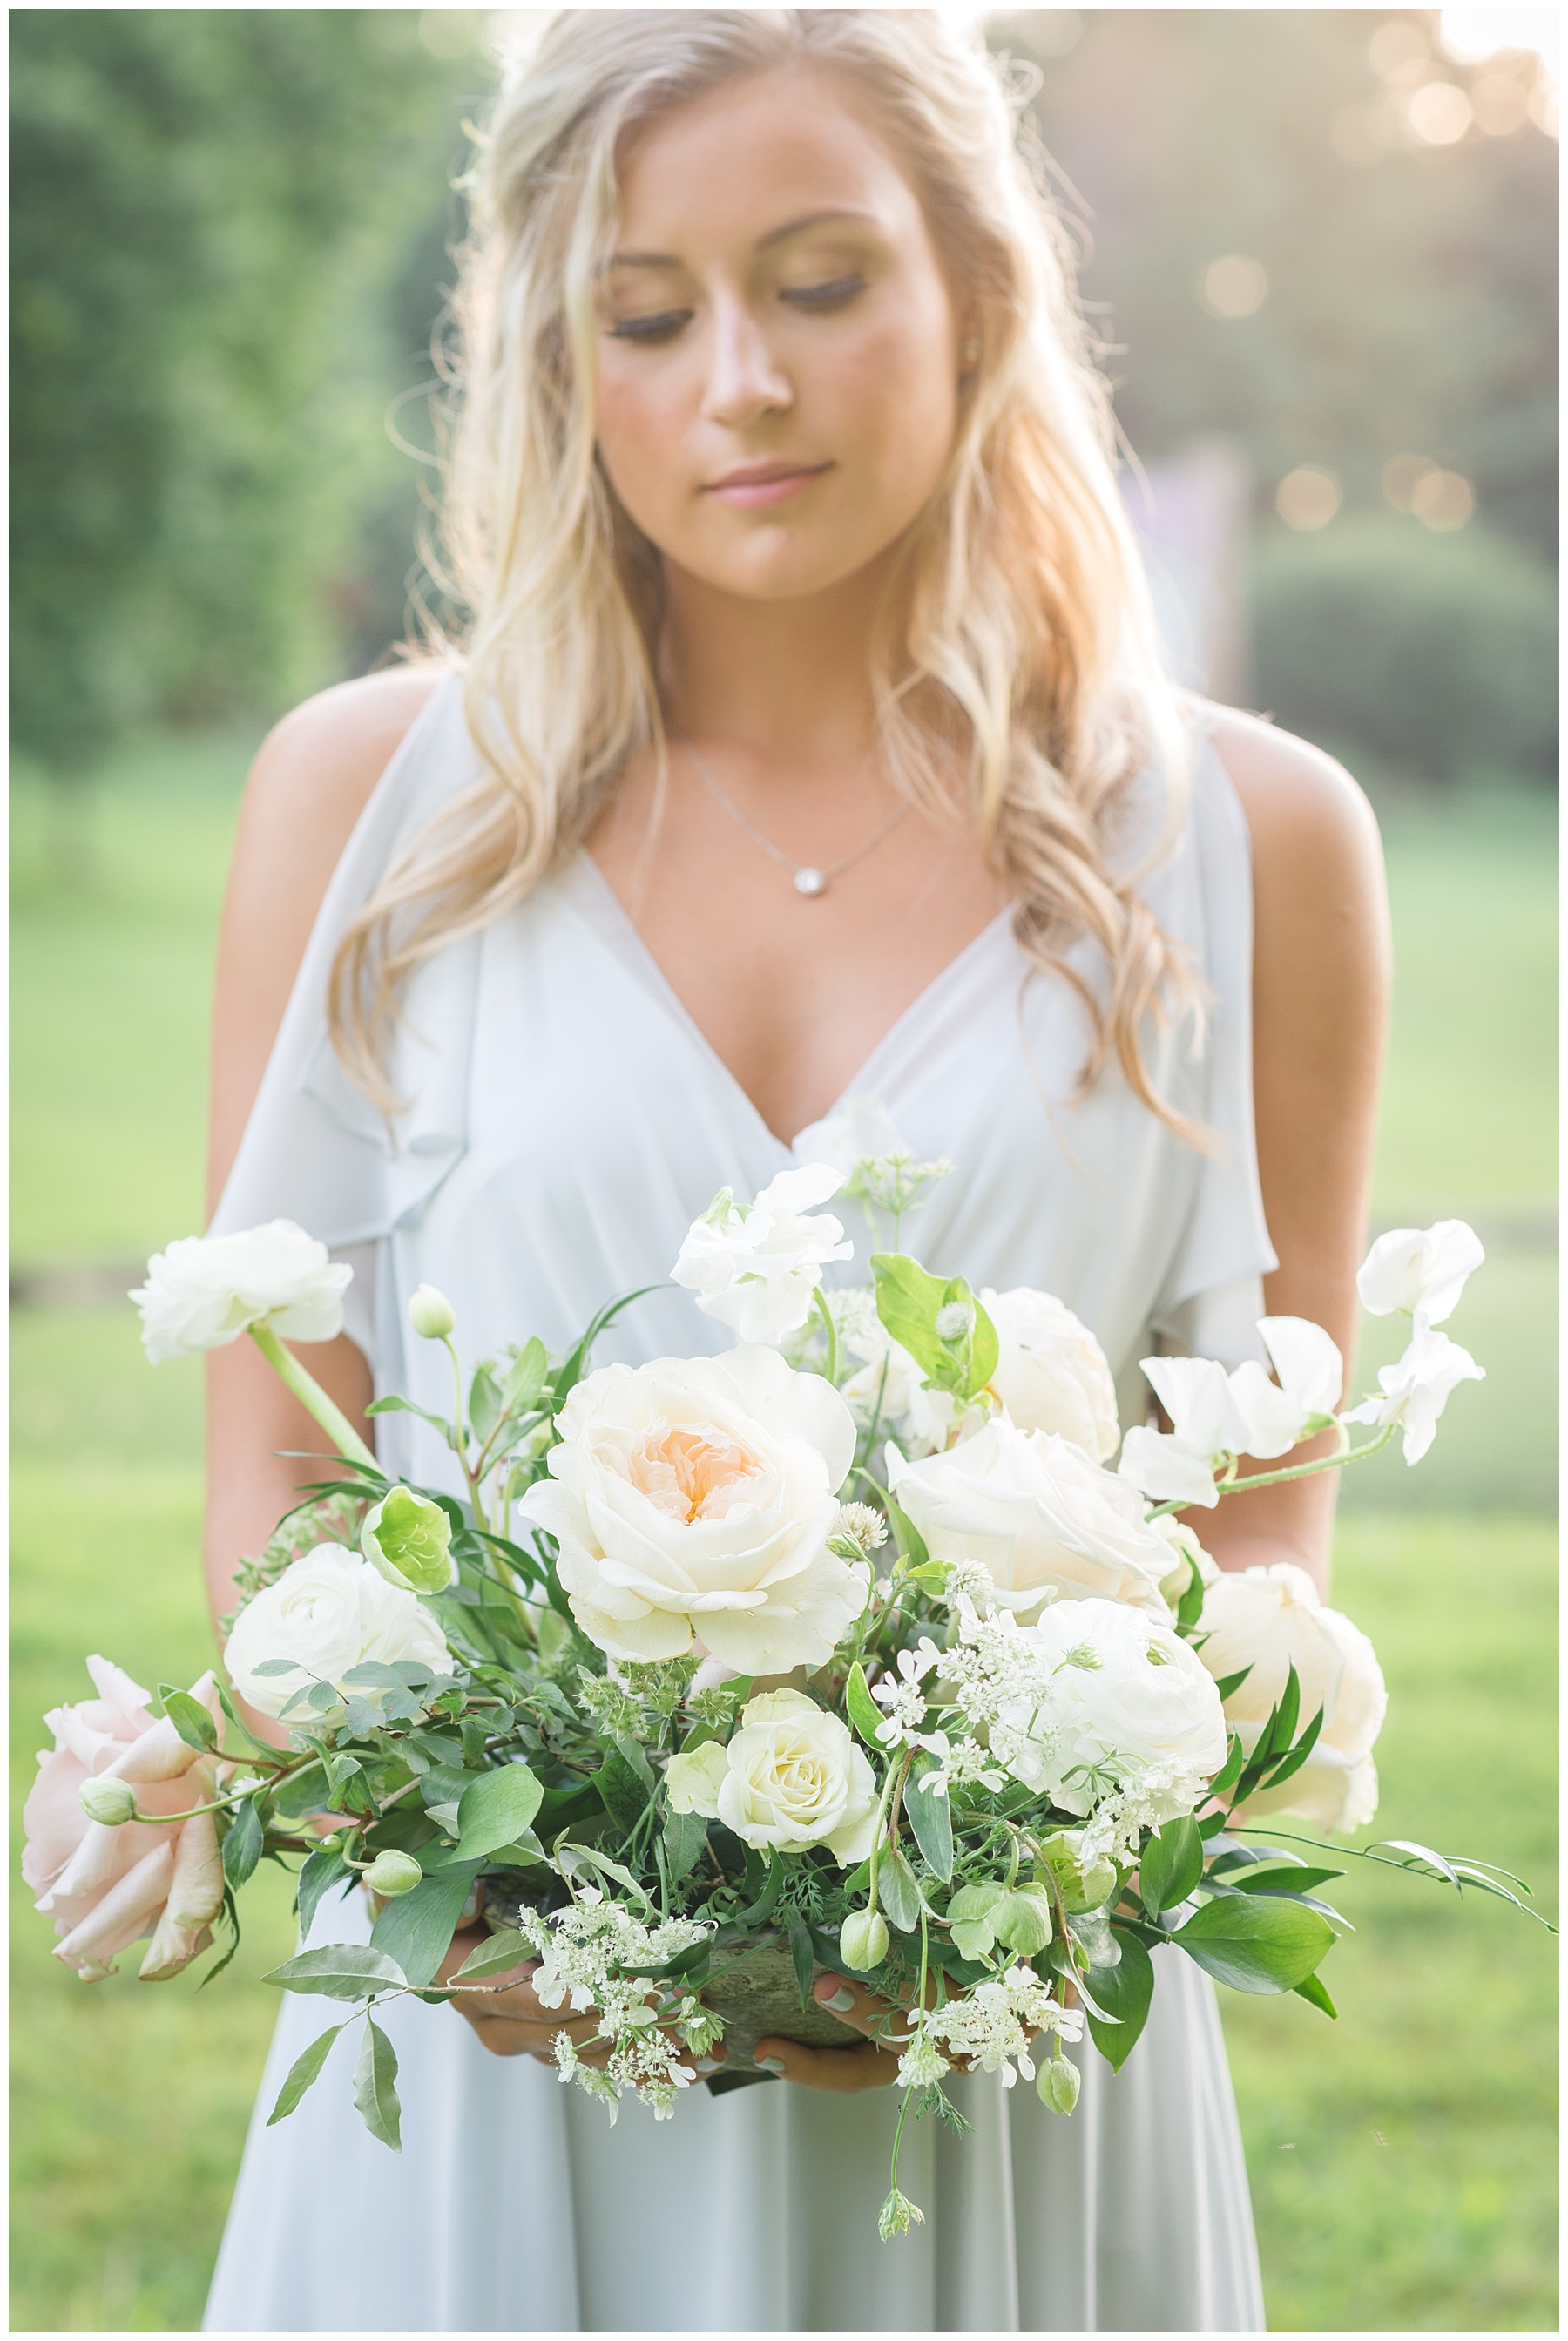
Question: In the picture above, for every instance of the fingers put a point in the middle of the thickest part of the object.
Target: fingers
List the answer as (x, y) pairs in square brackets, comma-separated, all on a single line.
[(842, 2072), (879, 2019)]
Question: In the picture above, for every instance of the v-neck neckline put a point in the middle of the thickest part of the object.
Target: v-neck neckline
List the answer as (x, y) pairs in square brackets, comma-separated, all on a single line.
[(640, 960)]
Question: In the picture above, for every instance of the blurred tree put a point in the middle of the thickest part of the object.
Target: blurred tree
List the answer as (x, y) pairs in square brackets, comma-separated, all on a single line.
[(1401, 292), (214, 217)]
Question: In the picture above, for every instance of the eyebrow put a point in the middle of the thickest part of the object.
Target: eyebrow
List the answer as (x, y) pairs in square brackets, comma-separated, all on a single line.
[(764, 242)]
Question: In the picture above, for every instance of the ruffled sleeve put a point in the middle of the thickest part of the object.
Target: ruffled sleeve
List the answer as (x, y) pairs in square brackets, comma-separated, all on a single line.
[(1213, 1293), (315, 1150)]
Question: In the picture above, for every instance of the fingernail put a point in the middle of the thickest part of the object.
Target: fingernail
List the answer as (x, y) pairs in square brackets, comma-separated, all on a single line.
[(841, 2000), (769, 2064)]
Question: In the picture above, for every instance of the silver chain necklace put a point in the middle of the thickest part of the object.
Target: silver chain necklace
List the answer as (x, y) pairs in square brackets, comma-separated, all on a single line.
[(808, 879)]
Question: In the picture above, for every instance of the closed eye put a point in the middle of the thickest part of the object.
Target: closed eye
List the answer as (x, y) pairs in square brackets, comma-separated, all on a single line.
[(662, 326), (836, 295)]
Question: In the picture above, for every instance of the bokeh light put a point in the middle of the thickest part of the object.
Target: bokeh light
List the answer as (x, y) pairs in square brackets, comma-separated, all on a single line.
[(1233, 286), (1308, 497)]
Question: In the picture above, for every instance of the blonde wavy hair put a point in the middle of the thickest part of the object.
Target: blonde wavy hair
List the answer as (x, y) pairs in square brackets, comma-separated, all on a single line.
[(1019, 685)]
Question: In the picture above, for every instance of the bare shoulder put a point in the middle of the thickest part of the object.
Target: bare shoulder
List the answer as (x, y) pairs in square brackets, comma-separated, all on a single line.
[(314, 772), (1308, 819)]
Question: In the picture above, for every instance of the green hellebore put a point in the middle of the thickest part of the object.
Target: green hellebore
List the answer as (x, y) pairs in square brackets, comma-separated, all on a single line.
[(406, 1538)]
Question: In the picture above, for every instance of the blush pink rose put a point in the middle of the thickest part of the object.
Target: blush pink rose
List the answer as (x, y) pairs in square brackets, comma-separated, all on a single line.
[(107, 1888)]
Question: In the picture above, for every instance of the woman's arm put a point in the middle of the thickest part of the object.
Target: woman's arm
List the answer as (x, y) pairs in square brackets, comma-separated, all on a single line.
[(308, 787), (1321, 974)]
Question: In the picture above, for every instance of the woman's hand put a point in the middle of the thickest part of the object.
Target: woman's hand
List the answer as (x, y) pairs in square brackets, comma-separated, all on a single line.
[(511, 2022), (869, 2065)]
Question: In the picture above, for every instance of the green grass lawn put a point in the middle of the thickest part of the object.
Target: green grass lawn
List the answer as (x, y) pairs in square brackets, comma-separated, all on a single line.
[(1402, 2160)]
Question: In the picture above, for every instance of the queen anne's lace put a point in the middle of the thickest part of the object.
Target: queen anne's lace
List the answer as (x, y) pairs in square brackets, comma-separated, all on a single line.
[(994, 2025), (596, 1954)]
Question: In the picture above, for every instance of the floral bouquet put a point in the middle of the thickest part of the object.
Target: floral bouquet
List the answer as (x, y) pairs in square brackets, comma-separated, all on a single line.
[(845, 1650)]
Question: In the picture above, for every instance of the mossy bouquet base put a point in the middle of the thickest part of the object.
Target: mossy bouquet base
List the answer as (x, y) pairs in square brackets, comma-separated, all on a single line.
[(841, 1653)]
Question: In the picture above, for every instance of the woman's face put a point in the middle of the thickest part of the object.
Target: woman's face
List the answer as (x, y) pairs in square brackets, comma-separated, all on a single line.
[(778, 387)]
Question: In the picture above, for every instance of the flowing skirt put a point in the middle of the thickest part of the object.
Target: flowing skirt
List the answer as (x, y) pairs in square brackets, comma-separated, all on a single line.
[(516, 2207)]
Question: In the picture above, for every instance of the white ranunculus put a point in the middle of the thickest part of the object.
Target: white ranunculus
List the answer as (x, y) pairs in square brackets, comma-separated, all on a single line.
[(755, 1267), (1036, 1514), (1126, 1694), (790, 1777), (694, 1496), (1052, 1373), (1417, 1388), (206, 1291), (1269, 1619), (1423, 1270), (328, 1613)]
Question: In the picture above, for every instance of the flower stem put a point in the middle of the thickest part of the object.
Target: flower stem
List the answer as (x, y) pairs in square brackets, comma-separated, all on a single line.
[(826, 1314), (311, 1397), (1234, 1487)]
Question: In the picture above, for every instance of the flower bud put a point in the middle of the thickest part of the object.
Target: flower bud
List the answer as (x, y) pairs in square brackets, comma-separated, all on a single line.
[(863, 1940), (111, 1802), (1058, 2085), (1022, 1920), (956, 1320), (1082, 1885), (430, 1313), (393, 1873)]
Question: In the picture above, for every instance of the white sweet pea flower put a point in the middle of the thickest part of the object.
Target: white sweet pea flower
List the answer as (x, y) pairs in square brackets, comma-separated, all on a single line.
[(755, 1267), (205, 1292), (1416, 1389), (1421, 1270), (1214, 1414)]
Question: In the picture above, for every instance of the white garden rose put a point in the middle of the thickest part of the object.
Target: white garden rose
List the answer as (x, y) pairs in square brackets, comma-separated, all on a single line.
[(1036, 1514), (328, 1613), (1052, 1373), (790, 1777), (692, 1499), (206, 1291), (1270, 1619), (756, 1266), (1126, 1697)]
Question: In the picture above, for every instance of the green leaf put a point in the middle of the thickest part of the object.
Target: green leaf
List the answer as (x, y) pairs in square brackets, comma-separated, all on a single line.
[(395, 1405), (630, 1751), (1124, 1992), (1311, 1988), (1255, 1944), (318, 1871), (1279, 1878), (931, 1819), (804, 1957), (303, 2072), (189, 1718), (414, 1930), (908, 1300), (374, 2094), (502, 1951), (685, 1834), (984, 1349), (898, 1893), (521, 1387), (1189, 1609), (1297, 1757), (484, 1403), (340, 1971), (495, 1809), (1281, 1729), (1230, 1771), (862, 1709), (243, 1843), (1171, 1865), (1228, 1684)]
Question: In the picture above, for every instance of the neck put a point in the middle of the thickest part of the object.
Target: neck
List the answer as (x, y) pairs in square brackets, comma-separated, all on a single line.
[(787, 681)]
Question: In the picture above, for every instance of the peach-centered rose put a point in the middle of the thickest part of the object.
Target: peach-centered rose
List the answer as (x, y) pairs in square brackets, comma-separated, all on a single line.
[(107, 1888)]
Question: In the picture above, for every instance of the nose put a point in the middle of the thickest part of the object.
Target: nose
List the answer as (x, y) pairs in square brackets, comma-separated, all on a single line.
[(745, 378)]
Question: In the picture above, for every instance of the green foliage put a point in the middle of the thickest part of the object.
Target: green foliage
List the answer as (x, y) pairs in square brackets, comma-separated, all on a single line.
[(374, 2094), (1434, 655), (1252, 1945), (304, 2070), (211, 210)]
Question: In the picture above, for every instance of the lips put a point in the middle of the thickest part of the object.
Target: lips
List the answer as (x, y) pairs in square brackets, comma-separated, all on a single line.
[(751, 485)]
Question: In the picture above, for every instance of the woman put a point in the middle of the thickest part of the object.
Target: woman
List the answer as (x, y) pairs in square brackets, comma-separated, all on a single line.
[(811, 740)]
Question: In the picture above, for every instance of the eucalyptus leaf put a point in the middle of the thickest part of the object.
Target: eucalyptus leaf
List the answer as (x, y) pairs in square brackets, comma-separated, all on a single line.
[(340, 1971), (189, 1718), (318, 1872), (496, 1956)]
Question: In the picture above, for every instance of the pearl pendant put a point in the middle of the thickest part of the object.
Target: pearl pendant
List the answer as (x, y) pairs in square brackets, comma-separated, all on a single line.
[(810, 882)]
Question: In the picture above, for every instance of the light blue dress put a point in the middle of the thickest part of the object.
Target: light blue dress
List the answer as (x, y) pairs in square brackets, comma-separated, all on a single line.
[(567, 1120)]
